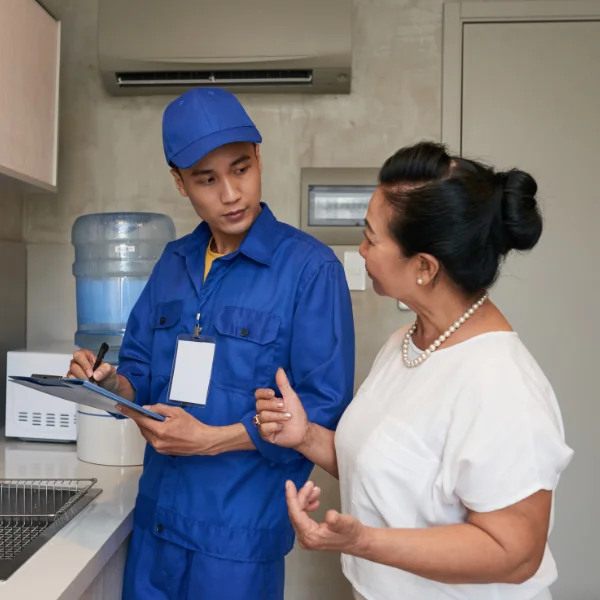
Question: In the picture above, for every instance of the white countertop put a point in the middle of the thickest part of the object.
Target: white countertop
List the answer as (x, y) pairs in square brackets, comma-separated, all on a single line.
[(68, 563)]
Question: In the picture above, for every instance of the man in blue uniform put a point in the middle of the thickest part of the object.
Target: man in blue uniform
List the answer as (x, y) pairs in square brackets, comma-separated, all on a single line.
[(210, 520)]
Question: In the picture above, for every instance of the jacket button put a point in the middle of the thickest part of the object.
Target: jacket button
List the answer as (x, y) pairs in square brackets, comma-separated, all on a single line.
[(244, 332), (159, 528), (162, 321)]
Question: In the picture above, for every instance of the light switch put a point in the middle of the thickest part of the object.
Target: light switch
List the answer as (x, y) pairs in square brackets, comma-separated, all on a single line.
[(402, 306), (356, 274)]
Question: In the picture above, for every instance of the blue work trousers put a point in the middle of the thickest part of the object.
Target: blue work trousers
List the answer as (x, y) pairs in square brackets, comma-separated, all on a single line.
[(159, 570)]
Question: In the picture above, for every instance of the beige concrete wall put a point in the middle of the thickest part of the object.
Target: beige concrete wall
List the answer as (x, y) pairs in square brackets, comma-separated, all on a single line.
[(111, 155), (111, 158)]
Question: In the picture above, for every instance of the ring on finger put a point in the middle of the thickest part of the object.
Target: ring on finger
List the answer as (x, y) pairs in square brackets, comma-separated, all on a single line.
[(256, 421)]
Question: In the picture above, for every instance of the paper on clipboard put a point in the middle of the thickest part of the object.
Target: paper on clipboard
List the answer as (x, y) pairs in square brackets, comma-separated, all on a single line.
[(83, 392)]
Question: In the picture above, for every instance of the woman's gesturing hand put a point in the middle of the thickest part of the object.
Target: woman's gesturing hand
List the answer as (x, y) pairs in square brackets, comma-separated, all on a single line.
[(282, 421), (340, 533)]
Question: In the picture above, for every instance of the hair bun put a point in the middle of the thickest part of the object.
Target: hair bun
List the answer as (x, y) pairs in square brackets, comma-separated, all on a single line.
[(521, 216)]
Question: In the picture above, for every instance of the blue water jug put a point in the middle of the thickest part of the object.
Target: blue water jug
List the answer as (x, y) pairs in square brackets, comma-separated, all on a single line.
[(114, 257)]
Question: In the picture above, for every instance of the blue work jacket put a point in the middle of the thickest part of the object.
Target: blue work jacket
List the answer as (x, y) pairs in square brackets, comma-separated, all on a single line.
[(280, 300)]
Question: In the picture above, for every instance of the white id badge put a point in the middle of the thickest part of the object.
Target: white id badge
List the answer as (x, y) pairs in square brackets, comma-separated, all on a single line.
[(192, 369)]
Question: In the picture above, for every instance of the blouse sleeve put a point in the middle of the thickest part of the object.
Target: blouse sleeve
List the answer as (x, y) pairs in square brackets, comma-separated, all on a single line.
[(505, 441)]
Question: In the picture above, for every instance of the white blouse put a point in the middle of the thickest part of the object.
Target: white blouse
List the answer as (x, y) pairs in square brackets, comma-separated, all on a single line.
[(476, 425)]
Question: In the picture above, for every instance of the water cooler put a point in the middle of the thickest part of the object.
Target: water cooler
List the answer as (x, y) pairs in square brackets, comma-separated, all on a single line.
[(114, 257)]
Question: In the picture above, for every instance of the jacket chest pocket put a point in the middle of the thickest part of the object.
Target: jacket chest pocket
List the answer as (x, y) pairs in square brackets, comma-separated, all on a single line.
[(246, 346), (166, 324)]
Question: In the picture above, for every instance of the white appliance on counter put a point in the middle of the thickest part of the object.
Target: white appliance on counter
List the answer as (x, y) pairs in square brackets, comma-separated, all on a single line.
[(31, 415)]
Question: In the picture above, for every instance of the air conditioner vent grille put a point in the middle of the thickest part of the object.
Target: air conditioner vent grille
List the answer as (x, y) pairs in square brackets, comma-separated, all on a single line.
[(293, 77)]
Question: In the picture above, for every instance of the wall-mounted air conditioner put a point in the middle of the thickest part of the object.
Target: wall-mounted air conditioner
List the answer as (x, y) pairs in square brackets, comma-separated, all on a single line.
[(168, 46)]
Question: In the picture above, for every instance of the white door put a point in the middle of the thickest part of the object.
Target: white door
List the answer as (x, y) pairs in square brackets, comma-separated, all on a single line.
[(531, 98)]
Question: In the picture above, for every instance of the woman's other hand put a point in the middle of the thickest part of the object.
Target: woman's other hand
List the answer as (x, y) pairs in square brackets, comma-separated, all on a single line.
[(339, 533)]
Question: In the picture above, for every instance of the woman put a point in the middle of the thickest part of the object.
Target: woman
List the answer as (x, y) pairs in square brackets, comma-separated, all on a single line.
[(449, 454)]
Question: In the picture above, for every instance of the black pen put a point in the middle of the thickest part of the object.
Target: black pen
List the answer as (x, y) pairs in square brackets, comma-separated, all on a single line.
[(101, 353)]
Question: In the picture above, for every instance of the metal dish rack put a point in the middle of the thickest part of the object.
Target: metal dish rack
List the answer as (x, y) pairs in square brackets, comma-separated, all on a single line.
[(29, 506)]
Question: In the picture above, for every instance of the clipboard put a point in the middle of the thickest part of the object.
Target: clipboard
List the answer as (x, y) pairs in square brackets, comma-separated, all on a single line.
[(81, 391)]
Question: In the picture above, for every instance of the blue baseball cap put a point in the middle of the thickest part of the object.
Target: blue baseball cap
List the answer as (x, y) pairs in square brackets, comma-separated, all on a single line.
[(201, 120)]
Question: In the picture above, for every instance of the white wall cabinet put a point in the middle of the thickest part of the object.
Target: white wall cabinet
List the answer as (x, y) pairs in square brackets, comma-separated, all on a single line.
[(29, 73)]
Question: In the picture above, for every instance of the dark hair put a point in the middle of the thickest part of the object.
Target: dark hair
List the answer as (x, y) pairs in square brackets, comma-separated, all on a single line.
[(462, 212)]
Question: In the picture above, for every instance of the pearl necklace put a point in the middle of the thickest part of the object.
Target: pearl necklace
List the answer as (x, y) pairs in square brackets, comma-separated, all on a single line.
[(425, 355)]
